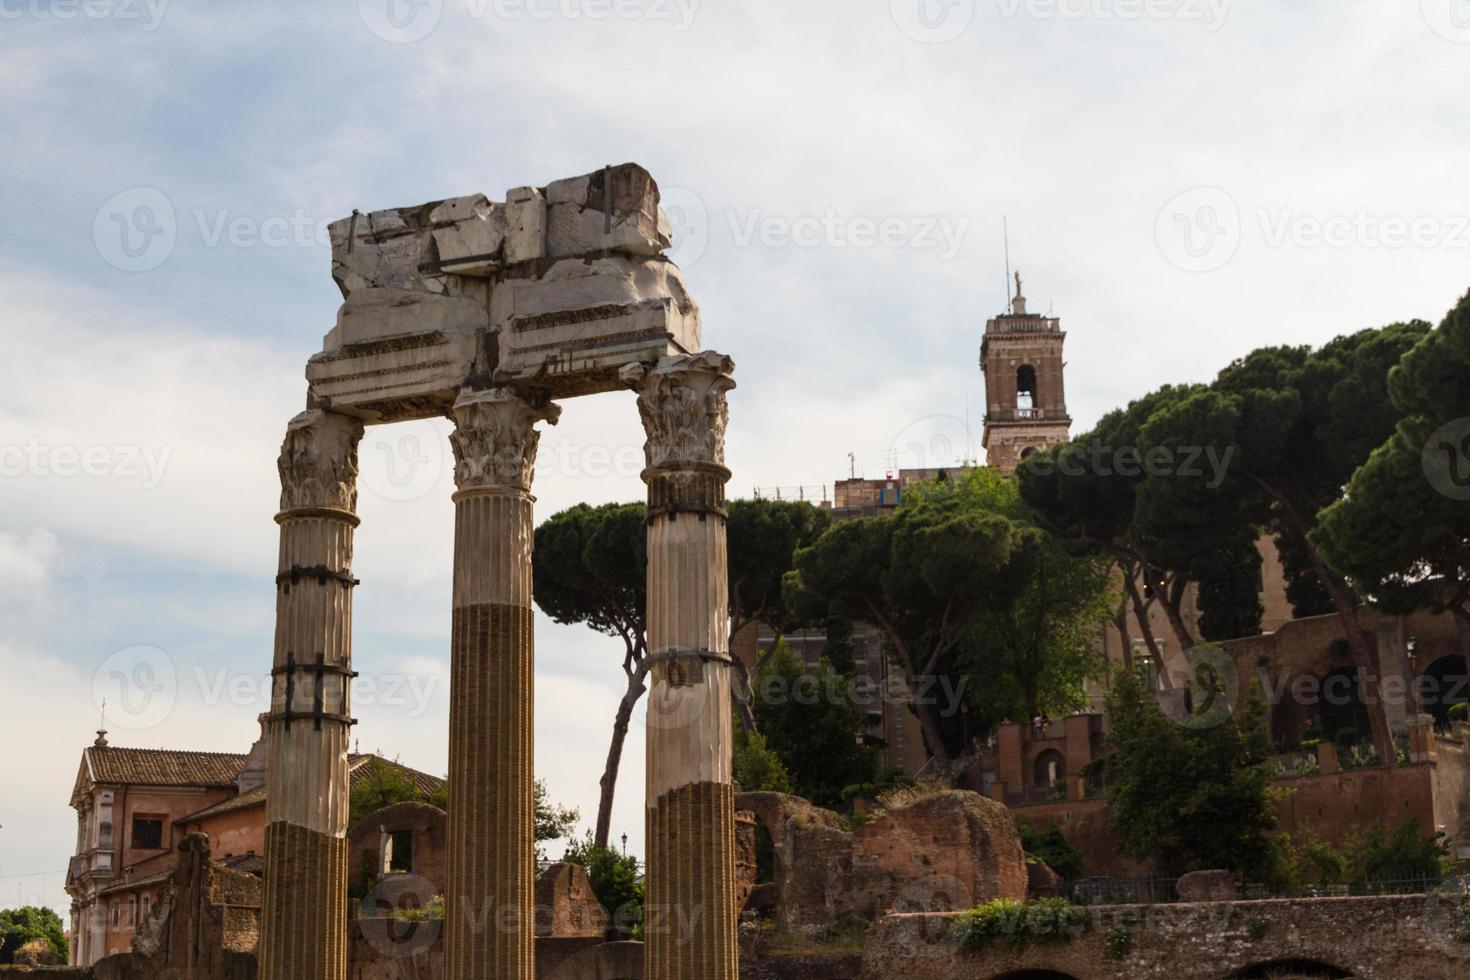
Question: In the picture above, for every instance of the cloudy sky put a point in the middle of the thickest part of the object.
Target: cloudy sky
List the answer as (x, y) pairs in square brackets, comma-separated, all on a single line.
[(1184, 180)]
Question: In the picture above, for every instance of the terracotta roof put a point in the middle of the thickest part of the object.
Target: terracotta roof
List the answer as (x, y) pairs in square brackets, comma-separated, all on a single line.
[(358, 767), (256, 797), (250, 863), (161, 767), (128, 884)]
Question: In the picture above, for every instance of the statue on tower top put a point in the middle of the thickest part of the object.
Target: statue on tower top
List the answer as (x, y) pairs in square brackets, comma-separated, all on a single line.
[(1018, 303)]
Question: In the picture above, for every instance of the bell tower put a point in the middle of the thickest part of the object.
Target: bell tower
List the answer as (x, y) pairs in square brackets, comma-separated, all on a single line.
[(1025, 399)]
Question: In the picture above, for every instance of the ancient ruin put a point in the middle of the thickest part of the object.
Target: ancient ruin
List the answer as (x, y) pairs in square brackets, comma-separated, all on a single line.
[(487, 312)]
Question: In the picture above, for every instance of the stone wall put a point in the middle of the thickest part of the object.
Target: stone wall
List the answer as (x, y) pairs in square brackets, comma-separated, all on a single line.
[(1392, 938), (949, 850), (426, 823)]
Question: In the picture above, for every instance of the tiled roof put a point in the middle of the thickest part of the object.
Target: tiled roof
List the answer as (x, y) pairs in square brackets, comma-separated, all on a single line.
[(359, 768), (250, 863), (256, 797), (162, 767)]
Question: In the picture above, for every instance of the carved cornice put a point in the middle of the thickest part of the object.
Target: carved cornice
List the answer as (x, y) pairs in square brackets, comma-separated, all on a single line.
[(682, 401), (495, 438), (318, 462)]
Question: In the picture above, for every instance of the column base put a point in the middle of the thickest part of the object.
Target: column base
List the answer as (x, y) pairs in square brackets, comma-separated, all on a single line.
[(691, 919), (303, 929)]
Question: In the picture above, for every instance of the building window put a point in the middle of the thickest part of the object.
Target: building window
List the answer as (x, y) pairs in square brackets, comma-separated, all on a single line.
[(400, 851), (148, 833), (1026, 389)]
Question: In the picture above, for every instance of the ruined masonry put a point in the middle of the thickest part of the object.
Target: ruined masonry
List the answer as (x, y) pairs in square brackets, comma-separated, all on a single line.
[(487, 312)]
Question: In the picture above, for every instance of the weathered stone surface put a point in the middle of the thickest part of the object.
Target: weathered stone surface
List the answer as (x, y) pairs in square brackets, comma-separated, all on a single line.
[(943, 852), (565, 904), (37, 952), (456, 292), (1385, 938), (1041, 880), (1207, 886)]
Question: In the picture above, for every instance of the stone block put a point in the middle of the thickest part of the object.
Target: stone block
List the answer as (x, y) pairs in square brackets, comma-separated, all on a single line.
[(615, 209), (1207, 886), (469, 235), (565, 903), (525, 221), (1041, 880)]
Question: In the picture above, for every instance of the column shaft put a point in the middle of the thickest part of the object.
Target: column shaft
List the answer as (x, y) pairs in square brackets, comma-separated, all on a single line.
[(304, 916), (691, 888), (490, 932)]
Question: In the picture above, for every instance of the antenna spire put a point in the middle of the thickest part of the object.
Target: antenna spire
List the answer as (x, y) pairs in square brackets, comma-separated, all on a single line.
[(1005, 228)]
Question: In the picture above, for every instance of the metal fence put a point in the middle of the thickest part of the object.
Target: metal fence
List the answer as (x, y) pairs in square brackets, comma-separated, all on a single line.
[(1158, 890)]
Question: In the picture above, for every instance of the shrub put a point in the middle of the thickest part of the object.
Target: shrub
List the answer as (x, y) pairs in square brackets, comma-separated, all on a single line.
[(1460, 712), (1051, 846), (1045, 920)]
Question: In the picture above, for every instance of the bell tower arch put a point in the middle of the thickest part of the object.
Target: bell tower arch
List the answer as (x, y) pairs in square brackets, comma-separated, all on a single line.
[(1025, 396)]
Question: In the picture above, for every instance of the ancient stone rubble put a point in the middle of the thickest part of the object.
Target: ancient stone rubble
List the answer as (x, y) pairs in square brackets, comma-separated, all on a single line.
[(558, 286)]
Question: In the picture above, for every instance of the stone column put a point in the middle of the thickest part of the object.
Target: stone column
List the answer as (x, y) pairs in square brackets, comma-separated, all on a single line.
[(490, 927), (303, 927), (691, 880)]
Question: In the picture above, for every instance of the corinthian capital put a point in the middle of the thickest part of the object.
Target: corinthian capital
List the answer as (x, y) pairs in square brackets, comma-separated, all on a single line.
[(682, 401), (318, 462), (495, 438)]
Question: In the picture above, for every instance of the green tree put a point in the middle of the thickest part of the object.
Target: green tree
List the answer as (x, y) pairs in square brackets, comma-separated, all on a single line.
[(20, 926), (1034, 640), (615, 880), (758, 768), (764, 536), (1397, 534), (919, 575), (1051, 846), (813, 724), (590, 568), (1297, 423), (378, 784), (1191, 796), (1086, 493)]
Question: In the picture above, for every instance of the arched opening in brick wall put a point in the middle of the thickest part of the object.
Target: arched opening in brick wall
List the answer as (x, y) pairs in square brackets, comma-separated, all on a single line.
[(1446, 682), (1026, 394), (1290, 970), (1049, 770)]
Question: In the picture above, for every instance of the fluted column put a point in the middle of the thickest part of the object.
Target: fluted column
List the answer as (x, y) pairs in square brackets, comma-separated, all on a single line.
[(490, 928), (691, 916), (303, 930)]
